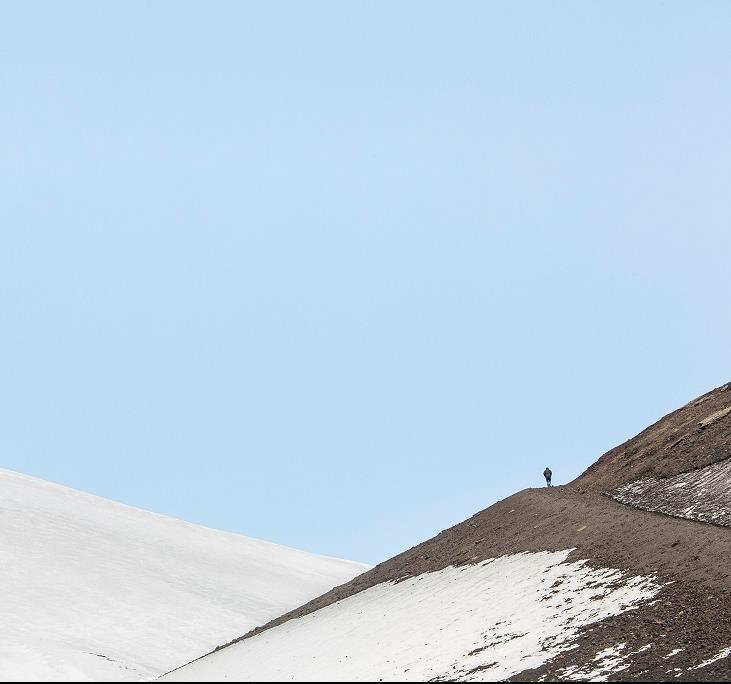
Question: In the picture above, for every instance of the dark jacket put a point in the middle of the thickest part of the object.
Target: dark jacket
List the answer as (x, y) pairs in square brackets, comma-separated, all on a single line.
[(547, 473)]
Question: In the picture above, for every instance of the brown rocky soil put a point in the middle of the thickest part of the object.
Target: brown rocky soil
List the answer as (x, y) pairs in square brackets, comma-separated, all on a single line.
[(691, 559), (692, 437)]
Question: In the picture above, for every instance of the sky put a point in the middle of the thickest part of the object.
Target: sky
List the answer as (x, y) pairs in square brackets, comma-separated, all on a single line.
[(340, 274)]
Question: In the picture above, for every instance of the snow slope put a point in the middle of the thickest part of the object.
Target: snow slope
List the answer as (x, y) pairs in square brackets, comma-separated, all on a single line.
[(482, 622), (96, 590), (703, 494)]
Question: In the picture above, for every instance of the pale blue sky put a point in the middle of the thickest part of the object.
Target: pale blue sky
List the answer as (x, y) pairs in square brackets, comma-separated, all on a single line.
[(339, 275)]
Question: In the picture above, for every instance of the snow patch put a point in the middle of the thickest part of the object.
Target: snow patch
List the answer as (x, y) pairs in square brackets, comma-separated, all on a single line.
[(605, 662), (725, 653), (672, 653), (482, 622), (703, 494)]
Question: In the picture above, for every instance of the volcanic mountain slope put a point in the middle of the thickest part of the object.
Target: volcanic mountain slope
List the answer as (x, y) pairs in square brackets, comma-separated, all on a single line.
[(566, 583), (95, 590)]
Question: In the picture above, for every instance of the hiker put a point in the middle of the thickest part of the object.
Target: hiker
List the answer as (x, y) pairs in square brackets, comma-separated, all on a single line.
[(547, 474)]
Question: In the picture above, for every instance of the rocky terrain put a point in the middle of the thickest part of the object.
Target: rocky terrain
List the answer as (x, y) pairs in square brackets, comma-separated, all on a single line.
[(650, 514)]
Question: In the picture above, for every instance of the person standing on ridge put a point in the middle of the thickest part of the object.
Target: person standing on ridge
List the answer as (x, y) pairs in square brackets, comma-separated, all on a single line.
[(547, 474)]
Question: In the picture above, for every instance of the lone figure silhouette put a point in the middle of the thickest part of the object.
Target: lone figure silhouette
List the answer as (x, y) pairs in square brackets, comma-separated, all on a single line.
[(547, 474)]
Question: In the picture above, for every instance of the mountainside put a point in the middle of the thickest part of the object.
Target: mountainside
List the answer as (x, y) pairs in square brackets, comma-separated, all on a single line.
[(623, 574), (95, 590)]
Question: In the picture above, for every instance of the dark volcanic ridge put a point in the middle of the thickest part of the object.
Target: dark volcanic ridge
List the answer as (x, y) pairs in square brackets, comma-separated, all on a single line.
[(684, 629), (692, 437)]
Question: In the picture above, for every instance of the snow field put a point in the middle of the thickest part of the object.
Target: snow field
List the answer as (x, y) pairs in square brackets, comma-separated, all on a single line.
[(481, 622), (95, 590)]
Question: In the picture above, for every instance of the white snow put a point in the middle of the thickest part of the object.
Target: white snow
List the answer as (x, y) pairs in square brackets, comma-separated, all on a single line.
[(703, 494), (95, 590), (481, 622), (674, 652), (725, 653), (606, 662)]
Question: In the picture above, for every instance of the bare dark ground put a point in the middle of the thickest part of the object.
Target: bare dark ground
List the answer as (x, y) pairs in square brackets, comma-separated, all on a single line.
[(679, 442), (692, 613), (693, 559)]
